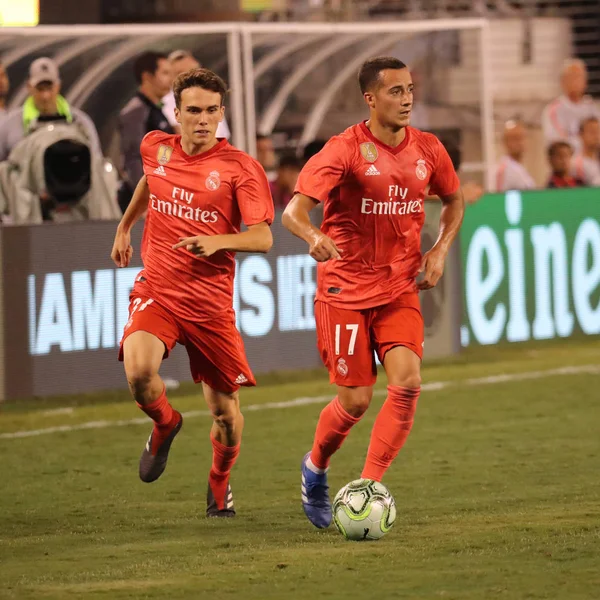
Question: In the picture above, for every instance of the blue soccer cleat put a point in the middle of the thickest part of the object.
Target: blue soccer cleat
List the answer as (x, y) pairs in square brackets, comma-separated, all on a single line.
[(315, 496)]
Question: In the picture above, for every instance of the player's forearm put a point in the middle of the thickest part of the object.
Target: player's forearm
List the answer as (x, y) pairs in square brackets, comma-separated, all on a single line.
[(137, 207), (253, 240), (296, 218), (453, 211)]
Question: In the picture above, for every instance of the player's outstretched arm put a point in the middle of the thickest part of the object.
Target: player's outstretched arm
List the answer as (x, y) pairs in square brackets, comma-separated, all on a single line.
[(432, 265), (296, 218), (122, 250), (258, 238)]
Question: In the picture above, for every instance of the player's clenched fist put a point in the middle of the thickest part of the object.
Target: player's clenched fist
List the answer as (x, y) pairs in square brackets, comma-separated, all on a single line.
[(432, 267), (200, 245), (122, 250), (323, 249)]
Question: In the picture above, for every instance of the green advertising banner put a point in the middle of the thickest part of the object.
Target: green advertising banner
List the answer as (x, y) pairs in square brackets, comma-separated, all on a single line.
[(531, 266)]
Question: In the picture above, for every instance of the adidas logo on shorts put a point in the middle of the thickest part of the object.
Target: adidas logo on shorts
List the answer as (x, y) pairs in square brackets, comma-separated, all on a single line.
[(241, 378), (160, 170), (372, 170)]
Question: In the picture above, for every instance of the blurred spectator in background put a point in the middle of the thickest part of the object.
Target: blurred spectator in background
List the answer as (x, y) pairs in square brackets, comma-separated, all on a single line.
[(560, 155), (585, 166), (42, 105), (510, 173), (182, 61), (265, 154), (56, 170), (142, 114), (562, 117), (4, 89), (312, 148), (282, 189)]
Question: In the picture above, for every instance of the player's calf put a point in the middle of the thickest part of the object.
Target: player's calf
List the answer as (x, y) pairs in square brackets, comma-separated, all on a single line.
[(142, 357), (226, 436), (219, 499), (142, 354), (391, 430)]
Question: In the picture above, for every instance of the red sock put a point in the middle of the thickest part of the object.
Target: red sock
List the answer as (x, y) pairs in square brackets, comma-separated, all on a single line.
[(164, 417), (333, 427), (391, 428), (224, 458)]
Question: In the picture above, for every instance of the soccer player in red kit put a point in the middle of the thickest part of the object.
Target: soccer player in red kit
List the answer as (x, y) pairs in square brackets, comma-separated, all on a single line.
[(372, 180), (196, 190)]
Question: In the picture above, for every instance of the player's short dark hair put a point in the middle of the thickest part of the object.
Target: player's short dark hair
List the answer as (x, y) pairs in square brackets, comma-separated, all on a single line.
[(586, 121), (202, 78), (556, 146), (147, 63), (368, 75), (313, 148)]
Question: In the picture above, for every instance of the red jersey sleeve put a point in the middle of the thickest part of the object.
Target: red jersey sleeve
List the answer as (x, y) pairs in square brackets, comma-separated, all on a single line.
[(444, 180), (253, 194), (148, 149), (325, 170)]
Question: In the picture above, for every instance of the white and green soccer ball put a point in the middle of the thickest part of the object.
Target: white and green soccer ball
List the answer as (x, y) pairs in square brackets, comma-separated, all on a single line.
[(364, 510)]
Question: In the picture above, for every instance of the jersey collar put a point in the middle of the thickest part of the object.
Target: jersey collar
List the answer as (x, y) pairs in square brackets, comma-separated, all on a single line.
[(221, 144), (392, 149)]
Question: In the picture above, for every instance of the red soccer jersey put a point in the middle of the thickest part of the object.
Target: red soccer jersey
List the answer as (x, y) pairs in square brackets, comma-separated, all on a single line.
[(207, 194), (373, 210)]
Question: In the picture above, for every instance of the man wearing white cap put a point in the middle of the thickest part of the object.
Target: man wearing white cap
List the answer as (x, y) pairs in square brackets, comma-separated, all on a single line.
[(42, 105)]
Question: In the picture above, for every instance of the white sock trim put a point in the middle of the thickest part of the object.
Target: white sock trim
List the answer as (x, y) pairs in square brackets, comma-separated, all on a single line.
[(312, 467)]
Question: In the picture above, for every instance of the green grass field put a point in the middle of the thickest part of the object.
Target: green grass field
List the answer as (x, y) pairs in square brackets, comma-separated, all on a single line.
[(498, 491)]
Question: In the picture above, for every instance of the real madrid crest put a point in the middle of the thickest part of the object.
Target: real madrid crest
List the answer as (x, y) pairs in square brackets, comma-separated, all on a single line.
[(342, 367), (164, 154), (421, 169), (213, 181), (369, 151)]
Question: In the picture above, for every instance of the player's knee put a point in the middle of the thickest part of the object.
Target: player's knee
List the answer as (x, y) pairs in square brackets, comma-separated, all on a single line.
[(140, 379), (226, 417), (225, 421), (407, 380), (357, 402), (361, 404)]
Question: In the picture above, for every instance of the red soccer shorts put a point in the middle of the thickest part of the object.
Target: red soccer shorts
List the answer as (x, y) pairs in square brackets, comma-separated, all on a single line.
[(347, 339), (215, 348)]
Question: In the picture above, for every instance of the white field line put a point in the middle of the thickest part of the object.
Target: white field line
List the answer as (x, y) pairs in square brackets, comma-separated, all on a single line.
[(306, 400)]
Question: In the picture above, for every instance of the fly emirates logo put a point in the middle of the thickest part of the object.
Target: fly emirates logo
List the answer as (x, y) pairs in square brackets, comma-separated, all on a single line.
[(179, 206), (395, 205)]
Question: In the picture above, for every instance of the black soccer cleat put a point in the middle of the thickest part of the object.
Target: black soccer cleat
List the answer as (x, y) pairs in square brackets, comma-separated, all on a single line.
[(153, 466), (212, 509)]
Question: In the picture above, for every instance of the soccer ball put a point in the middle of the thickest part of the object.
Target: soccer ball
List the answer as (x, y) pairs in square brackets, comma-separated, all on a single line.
[(364, 510)]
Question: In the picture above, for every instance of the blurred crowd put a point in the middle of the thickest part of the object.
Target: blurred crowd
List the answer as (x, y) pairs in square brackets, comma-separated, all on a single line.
[(52, 167), (571, 129)]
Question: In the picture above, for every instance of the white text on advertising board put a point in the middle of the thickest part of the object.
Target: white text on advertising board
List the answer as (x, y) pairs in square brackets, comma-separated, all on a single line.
[(546, 298), (90, 313)]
